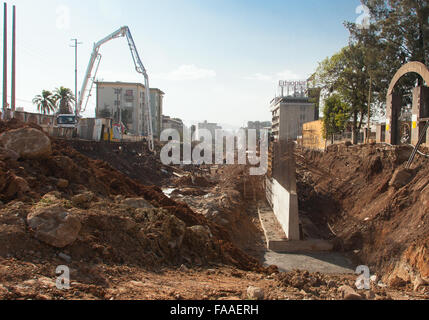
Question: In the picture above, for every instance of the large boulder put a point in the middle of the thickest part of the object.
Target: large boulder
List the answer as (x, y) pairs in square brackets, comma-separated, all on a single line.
[(54, 225), (83, 200), (255, 293), (6, 154), (28, 143), (348, 293), (12, 186), (16, 186)]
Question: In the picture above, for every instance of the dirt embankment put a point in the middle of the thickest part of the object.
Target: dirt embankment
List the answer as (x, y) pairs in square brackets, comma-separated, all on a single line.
[(363, 196), (122, 221), (130, 158)]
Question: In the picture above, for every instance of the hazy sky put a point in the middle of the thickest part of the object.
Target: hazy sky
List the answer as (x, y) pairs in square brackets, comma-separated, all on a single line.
[(218, 60)]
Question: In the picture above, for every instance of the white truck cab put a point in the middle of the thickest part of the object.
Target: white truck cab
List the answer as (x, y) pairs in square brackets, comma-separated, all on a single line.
[(67, 121)]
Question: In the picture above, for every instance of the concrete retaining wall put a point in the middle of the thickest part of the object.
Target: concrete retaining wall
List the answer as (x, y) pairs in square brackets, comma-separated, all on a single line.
[(285, 207), (36, 118), (281, 189)]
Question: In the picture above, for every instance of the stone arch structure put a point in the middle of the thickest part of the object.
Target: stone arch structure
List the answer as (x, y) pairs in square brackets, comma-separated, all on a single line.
[(420, 110)]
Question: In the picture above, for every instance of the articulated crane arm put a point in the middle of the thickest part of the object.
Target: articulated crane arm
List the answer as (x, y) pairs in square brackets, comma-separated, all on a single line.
[(122, 32)]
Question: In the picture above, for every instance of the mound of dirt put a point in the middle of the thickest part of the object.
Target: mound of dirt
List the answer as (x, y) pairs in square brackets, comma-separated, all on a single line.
[(112, 232), (352, 193), (131, 158)]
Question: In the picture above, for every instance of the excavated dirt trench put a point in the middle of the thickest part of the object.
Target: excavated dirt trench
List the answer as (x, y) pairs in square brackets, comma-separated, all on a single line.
[(352, 194), (344, 194), (202, 242), (116, 229)]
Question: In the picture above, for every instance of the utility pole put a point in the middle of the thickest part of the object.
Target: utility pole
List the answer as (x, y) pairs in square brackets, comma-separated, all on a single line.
[(4, 63), (369, 109), (13, 96), (75, 45)]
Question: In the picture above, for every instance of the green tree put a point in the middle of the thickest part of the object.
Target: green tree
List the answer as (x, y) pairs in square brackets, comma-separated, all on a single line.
[(314, 97), (347, 73), (64, 100), (402, 26), (45, 102), (336, 114), (399, 33)]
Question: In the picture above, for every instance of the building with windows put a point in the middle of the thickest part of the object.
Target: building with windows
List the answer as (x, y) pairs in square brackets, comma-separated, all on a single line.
[(125, 102), (212, 127), (258, 126), (172, 123), (289, 115), (156, 101)]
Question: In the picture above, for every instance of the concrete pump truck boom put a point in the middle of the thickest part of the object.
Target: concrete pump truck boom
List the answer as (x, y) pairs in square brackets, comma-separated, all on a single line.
[(90, 75)]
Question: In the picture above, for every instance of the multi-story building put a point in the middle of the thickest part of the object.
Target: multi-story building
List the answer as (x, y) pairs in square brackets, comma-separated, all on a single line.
[(173, 123), (258, 126), (212, 127), (156, 101), (125, 102), (289, 114)]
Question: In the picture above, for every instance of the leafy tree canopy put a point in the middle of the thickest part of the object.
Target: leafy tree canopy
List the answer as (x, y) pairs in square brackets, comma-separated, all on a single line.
[(335, 116)]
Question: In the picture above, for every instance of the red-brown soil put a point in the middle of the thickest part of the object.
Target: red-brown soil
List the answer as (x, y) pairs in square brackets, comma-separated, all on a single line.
[(345, 192), (110, 233), (127, 253), (130, 158)]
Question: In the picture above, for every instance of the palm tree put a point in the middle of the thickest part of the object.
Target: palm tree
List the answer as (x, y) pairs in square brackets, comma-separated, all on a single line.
[(45, 102), (64, 99)]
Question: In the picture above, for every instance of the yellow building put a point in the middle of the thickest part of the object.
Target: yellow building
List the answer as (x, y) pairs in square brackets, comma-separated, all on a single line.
[(312, 135)]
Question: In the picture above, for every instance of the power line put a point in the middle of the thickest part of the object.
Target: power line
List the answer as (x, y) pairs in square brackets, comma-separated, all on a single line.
[(23, 100)]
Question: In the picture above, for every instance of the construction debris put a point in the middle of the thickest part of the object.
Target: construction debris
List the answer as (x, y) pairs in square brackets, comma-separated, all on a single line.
[(144, 228), (122, 239)]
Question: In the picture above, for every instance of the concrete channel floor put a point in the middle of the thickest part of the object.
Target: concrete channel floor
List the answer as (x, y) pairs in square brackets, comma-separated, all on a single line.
[(323, 262), (313, 260)]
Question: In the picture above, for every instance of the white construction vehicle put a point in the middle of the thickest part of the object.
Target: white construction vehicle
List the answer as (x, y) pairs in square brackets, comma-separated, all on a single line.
[(91, 73), (67, 121)]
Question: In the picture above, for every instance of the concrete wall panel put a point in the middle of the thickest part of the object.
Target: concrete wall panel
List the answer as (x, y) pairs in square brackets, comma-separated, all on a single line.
[(281, 189)]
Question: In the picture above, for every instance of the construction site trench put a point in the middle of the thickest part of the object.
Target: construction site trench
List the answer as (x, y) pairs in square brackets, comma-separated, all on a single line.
[(129, 227)]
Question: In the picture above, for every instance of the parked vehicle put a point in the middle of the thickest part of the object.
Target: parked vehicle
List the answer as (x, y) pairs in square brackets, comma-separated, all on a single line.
[(67, 121)]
